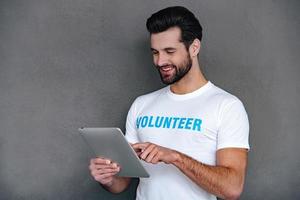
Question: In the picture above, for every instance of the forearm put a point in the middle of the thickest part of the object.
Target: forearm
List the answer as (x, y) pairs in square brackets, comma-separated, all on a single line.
[(119, 184), (221, 181)]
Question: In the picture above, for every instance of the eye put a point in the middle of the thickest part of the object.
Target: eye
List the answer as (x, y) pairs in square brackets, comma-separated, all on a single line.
[(170, 51), (154, 52)]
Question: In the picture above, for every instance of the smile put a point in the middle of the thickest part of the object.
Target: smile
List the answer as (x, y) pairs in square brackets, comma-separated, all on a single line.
[(166, 68)]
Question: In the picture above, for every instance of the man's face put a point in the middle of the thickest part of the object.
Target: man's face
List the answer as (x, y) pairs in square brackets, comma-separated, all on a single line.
[(170, 56)]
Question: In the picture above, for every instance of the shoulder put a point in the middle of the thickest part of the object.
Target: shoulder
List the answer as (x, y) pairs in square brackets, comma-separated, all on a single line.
[(222, 103), (221, 97), (228, 107)]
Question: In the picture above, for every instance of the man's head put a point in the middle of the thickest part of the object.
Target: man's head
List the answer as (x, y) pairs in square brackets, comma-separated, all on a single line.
[(176, 16), (175, 35)]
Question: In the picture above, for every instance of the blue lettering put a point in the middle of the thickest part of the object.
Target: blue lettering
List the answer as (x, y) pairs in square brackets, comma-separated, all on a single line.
[(181, 123), (188, 123), (197, 124), (158, 121), (175, 121), (144, 121), (150, 122), (167, 122), (138, 121)]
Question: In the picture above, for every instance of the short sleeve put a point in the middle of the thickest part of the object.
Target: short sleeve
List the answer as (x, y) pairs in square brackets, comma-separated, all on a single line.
[(131, 132), (233, 129)]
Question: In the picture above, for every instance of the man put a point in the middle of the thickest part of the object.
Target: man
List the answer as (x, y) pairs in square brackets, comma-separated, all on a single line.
[(192, 135)]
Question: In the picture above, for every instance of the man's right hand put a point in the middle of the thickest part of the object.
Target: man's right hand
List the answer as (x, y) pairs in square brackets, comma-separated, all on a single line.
[(104, 170)]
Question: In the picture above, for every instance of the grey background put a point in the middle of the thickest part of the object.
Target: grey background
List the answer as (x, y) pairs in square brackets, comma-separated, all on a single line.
[(71, 63)]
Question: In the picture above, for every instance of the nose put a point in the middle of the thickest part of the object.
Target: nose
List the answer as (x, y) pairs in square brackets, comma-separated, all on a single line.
[(161, 59)]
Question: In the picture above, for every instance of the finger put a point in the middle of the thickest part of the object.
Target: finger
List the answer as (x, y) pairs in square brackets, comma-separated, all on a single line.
[(139, 153), (140, 145), (114, 165), (135, 145), (104, 176), (94, 166), (147, 150), (104, 166), (98, 166), (99, 173), (138, 148), (105, 171), (102, 161), (156, 159), (152, 154), (93, 160)]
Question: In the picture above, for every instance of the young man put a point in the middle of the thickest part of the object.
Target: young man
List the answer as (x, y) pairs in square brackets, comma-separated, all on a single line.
[(192, 135)]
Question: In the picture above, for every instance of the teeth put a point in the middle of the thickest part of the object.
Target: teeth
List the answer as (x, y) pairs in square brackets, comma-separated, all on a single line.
[(166, 68)]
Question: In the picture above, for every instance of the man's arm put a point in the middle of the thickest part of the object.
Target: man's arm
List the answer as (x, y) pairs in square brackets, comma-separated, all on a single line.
[(224, 180)]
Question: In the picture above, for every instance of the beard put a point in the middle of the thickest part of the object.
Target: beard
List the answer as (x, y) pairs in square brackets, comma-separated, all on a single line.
[(176, 72)]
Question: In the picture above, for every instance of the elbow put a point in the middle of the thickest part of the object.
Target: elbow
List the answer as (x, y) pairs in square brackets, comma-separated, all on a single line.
[(232, 196), (234, 193)]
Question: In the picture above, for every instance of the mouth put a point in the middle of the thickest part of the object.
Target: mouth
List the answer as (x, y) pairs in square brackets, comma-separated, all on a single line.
[(167, 73), (166, 68)]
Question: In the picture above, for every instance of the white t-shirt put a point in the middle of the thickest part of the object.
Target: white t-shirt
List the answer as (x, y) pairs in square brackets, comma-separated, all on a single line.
[(196, 124)]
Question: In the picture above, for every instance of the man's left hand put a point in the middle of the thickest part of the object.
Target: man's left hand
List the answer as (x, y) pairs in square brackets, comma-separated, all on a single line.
[(153, 153)]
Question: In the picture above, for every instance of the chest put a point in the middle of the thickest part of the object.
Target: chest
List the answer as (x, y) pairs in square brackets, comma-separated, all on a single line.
[(189, 127)]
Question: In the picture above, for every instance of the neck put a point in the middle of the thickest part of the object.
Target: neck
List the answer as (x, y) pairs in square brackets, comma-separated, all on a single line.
[(192, 81)]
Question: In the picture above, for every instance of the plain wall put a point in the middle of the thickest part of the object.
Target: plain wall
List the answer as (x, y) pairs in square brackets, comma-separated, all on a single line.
[(71, 63)]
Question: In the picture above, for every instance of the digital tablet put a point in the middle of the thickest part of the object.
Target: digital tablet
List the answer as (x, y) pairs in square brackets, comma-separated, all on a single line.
[(111, 143)]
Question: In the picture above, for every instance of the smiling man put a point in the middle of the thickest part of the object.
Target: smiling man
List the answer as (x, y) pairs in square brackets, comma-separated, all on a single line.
[(192, 135)]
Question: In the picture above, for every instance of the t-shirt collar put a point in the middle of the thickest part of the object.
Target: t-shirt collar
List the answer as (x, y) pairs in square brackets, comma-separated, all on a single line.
[(190, 95)]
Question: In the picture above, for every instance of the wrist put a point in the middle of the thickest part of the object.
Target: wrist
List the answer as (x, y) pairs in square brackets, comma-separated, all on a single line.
[(110, 183), (177, 159)]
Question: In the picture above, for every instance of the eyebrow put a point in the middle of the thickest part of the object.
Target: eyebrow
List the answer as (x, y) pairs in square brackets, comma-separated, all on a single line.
[(165, 49)]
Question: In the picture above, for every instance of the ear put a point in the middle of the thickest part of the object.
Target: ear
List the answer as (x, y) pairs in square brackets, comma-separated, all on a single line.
[(194, 48)]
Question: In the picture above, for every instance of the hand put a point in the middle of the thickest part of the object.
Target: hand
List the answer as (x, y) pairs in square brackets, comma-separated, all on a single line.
[(153, 153), (104, 170)]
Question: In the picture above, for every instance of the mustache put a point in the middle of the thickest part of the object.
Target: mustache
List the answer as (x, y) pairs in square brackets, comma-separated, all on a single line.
[(165, 65)]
